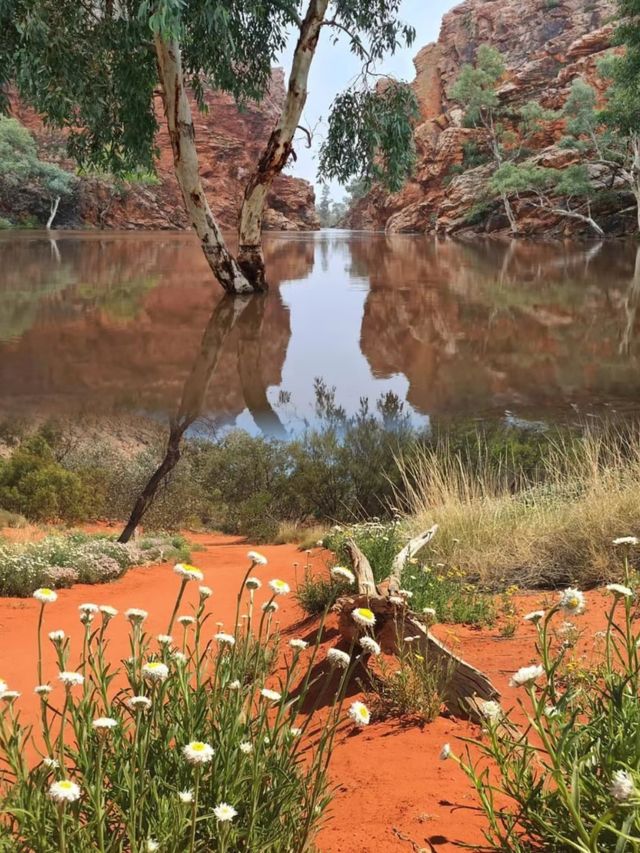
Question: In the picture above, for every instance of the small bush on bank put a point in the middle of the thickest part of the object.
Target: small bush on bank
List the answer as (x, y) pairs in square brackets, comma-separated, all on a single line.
[(63, 560), (413, 686), (378, 540), (33, 484), (569, 778), (447, 593), (318, 592)]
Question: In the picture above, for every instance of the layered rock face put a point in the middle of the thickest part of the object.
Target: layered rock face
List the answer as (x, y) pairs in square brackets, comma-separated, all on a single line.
[(229, 142), (545, 45)]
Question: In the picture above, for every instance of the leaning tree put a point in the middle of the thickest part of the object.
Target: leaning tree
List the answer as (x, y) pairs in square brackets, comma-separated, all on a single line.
[(94, 66)]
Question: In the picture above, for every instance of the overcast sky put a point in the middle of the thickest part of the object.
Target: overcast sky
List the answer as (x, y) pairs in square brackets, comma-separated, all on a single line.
[(334, 68)]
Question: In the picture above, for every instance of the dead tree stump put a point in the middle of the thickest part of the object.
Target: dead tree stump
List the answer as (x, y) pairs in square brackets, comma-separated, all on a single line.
[(467, 687)]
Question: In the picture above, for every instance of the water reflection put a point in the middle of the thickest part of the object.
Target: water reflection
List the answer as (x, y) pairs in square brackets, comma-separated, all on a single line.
[(129, 323)]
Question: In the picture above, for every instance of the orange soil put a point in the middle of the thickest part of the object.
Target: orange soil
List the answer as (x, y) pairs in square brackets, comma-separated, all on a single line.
[(391, 788)]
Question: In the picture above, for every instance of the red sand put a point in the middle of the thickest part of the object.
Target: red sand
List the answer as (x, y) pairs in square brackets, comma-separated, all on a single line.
[(393, 792)]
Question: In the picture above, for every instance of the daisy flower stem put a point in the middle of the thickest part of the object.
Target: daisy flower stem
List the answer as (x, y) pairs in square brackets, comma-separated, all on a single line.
[(63, 720), (62, 841), (40, 621), (183, 586), (100, 813), (194, 810)]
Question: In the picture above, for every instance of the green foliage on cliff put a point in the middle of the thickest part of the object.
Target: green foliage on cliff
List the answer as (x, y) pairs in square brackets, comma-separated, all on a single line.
[(21, 166)]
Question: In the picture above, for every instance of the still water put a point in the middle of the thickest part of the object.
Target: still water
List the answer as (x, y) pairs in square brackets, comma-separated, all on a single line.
[(123, 324)]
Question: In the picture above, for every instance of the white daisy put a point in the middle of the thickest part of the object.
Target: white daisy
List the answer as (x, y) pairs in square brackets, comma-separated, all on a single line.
[(298, 644), (88, 607), (225, 639), (50, 763), (363, 616), (45, 595), (626, 540), (205, 592), (294, 731), (104, 723), (3, 685), (253, 583), (279, 587), (107, 611), (179, 657), (224, 813), (40, 690), (71, 679), (56, 636), (526, 675), (491, 711), (272, 695), (139, 703), (359, 714), (405, 593), (9, 695), (185, 796), (246, 747), (270, 606), (338, 658), (340, 573), (619, 590), (186, 620), (151, 846), (234, 685), (164, 639), (257, 559), (622, 787), (198, 752), (135, 615), (572, 601), (430, 613), (397, 600), (155, 671), (535, 616), (369, 645), (64, 791), (445, 752), (190, 573)]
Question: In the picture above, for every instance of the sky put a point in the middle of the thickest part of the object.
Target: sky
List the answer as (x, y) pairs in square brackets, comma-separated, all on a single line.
[(334, 68)]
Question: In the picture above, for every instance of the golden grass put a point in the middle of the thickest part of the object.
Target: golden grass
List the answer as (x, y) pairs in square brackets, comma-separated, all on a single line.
[(305, 536), (556, 531)]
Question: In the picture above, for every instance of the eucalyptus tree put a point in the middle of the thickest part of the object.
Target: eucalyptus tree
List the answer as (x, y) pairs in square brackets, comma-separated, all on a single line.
[(94, 66)]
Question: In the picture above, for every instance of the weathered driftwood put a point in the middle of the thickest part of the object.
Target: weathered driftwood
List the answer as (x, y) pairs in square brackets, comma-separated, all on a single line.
[(410, 549), (396, 623)]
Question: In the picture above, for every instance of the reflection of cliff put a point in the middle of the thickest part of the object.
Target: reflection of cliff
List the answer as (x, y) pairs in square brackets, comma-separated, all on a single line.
[(475, 328), (88, 347)]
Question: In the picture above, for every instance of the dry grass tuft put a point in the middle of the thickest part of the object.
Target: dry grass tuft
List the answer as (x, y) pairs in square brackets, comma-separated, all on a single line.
[(557, 530)]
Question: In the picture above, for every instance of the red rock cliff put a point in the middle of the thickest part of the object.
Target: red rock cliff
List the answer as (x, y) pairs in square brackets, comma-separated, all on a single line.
[(229, 142), (545, 46)]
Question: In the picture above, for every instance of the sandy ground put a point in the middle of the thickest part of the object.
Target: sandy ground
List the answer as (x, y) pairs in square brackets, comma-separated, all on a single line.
[(393, 793)]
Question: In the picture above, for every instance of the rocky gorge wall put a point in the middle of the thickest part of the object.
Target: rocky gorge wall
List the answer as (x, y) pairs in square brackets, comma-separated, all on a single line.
[(229, 142), (545, 45)]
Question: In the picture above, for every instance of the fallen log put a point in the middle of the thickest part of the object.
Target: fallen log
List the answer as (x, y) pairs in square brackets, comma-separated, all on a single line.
[(467, 687)]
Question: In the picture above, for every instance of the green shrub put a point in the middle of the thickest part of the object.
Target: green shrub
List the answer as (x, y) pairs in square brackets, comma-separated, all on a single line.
[(446, 591), (33, 484), (317, 593), (413, 686), (379, 541)]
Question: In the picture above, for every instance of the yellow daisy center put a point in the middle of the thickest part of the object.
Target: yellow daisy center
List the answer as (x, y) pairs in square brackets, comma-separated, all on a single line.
[(364, 611), (65, 785), (197, 747)]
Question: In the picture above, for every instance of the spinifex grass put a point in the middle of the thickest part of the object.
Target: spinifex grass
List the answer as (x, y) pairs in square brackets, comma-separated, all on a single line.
[(191, 744), (568, 778)]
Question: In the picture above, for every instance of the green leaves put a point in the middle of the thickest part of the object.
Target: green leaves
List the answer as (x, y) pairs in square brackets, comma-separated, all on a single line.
[(476, 87), (370, 136)]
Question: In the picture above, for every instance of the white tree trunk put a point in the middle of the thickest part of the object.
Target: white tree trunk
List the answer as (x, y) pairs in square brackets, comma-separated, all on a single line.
[(185, 158), (275, 155), (52, 211)]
